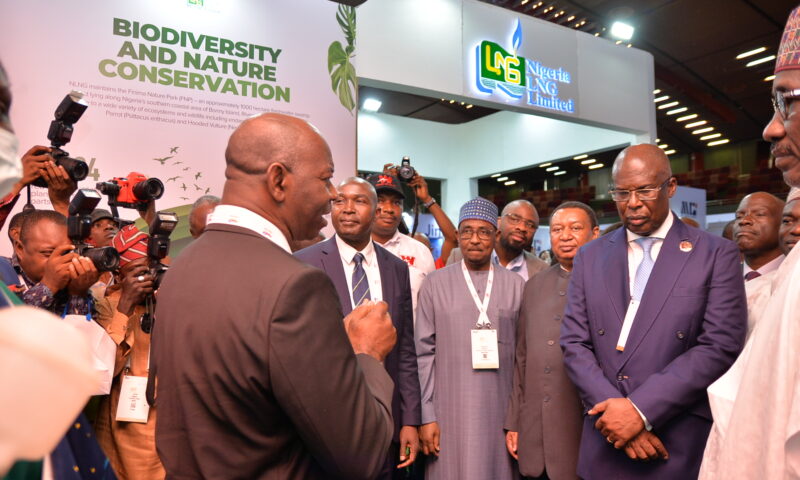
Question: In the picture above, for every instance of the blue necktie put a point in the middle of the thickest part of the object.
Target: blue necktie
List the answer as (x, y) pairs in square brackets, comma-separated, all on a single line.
[(359, 282), (644, 269)]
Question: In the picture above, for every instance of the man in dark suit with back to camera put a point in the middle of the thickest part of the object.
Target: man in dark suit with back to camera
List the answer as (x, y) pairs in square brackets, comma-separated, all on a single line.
[(257, 375), (655, 313), (361, 269)]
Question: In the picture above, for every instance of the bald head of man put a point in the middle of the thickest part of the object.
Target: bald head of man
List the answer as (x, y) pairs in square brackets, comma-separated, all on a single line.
[(755, 228), (643, 185), (281, 168)]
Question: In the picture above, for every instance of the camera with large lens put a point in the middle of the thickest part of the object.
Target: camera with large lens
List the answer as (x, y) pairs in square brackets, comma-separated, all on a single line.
[(405, 171), (133, 191), (79, 227), (157, 250), (68, 112)]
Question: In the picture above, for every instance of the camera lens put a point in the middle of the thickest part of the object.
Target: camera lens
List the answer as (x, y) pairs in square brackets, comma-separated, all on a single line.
[(76, 169), (150, 189), (105, 259)]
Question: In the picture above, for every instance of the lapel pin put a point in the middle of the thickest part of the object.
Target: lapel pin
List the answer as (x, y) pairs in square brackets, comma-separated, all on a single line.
[(686, 246)]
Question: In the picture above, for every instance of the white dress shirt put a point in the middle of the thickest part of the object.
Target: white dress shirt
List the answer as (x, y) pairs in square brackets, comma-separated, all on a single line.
[(770, 266), (242, 217), (369, 264)]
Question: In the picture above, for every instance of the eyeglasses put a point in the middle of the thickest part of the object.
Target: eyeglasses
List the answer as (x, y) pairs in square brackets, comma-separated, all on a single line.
[(483, 233), (515, 220), (619, 195), (780, 101)]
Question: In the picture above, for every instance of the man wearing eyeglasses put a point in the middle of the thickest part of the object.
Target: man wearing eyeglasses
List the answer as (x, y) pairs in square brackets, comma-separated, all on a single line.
[(516, 227), (465, 337), (655, 313)]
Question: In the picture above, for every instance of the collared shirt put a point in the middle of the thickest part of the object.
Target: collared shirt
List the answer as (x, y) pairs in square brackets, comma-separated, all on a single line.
[(417, 256), (242, 217), (518, 265), (370, 265), (635, 252), (770, 266)]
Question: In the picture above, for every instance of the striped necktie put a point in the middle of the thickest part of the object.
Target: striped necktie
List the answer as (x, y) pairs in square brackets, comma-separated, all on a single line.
[(359, 282), (644, 269)]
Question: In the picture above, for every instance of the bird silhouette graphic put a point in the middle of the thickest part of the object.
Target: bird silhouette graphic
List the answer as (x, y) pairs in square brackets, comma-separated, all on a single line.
[(163, 160), (196, 187), (186, 169), (183, 186), (172, 179), (178, 162), (174, 149), (185, 198), (198, 175), (207, 190)]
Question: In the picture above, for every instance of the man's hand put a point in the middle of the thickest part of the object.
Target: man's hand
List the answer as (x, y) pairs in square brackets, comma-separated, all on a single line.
[(83, 274), (646, 446), (134, 290), (620, 421), (56, 271), (59, 186), (33, 164), (511, 444), (370, 329), (429, 436), (409, 439), (420, 188)]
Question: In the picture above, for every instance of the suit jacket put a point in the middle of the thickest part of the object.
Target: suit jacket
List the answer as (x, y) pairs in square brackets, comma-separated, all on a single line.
[(545, 407), (401, 363), (689, 328), (256, 376), (534, 263)]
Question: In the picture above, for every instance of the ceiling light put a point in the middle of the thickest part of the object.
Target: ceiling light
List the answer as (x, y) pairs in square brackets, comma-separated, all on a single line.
[(452, 101), (663, 145), (546, 164), (761, 60), (524, 2), (750, 52), (718, 142), (667, 105), (695, 124), (702, 130), (597, 34), (658, 140), (677, 110), (709, 137), (669, 152), (617, 42), (588, 161), (495, 175), (502, 179), (510, 182), (769, 78), (371, 105), (562, 172), (629, 45), (580, 157), (661, 98), (622, 30), (656, 91), (552, 169), (686, 117), (570, 18), (596, 166), (468, 106)]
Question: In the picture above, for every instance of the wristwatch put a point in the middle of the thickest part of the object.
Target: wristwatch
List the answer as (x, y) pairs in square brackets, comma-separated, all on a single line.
[(429, 202)]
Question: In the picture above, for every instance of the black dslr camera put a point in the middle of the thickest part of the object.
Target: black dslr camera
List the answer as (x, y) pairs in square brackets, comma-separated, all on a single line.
[(79, 226), (157, 250), (405, 171), (68, 113)]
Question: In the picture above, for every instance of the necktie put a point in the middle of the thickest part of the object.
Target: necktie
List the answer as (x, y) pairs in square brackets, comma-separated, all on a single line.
[(751, 275), (644, 269), (359, 282)]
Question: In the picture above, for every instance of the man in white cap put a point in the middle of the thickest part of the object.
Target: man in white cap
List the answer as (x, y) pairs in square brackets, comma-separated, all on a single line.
[(465, 337)]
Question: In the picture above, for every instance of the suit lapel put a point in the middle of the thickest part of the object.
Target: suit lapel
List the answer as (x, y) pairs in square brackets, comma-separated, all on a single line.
[(387, 279), (332, 264), (666, 270), (615, 269)]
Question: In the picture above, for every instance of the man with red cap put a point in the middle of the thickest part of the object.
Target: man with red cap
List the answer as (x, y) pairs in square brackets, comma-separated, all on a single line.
[(757, 417)]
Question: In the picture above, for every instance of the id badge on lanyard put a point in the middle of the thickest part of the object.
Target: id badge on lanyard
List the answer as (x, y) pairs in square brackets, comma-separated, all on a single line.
[(485, 350), (133, 406)]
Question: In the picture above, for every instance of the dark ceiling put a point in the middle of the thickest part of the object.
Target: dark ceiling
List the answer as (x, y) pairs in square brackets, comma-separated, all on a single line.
[(694, 44)]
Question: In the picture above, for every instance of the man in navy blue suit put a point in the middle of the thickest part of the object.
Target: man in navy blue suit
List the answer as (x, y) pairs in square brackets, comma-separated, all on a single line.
[(361, 270)]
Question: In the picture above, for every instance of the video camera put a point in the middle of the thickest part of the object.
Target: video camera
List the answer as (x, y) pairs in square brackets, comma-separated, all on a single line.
[(133, 191), (68, 112), (79, 227), (157, 250)]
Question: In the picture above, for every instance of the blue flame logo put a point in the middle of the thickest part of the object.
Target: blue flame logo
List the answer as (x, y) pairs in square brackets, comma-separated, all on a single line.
[(516, 39)]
